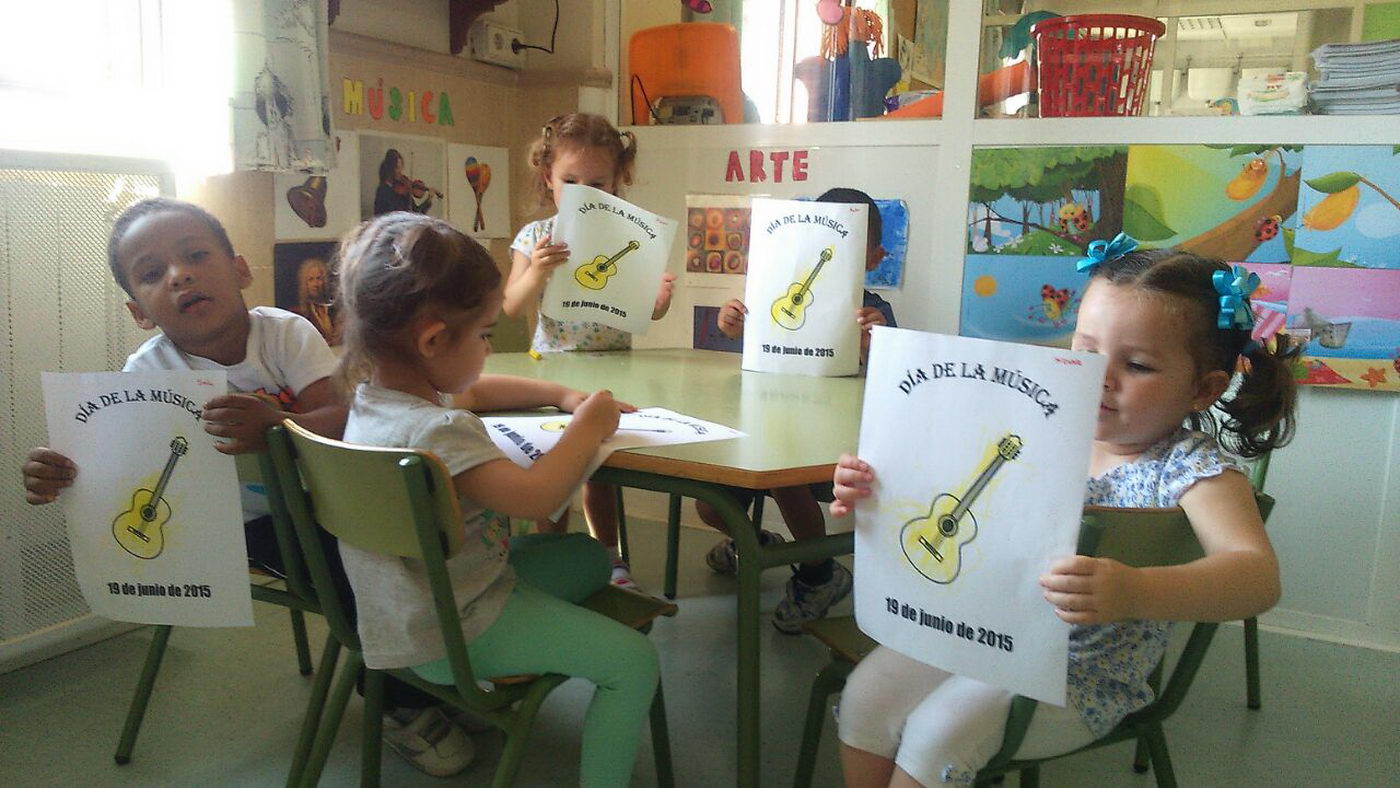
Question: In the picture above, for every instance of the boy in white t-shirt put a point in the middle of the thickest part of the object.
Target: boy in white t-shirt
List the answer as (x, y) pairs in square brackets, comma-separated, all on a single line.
[(182, 276)]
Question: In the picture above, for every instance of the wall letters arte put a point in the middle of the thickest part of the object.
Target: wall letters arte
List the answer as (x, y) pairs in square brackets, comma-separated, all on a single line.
[(773, 160)]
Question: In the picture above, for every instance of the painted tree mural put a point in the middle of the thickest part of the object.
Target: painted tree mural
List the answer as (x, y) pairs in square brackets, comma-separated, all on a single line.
[(1071, 194)]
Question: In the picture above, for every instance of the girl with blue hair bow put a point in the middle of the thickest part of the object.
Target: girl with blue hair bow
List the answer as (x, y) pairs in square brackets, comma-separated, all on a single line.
[(1174, 327)]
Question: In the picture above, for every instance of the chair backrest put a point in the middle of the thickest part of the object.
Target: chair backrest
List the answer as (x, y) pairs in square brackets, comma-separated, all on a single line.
[(253, 471), (394, 501)]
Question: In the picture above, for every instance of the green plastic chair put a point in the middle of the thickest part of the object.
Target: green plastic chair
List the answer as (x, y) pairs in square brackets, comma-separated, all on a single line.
[(297, 595), (402, 502), (1137, 537), (1258, 473)]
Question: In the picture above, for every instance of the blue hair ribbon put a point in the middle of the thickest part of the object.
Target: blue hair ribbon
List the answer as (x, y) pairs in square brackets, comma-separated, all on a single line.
[(1234, 288), (1103, 251)]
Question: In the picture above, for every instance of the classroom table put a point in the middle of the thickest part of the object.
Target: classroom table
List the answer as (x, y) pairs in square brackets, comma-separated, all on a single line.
[(796, 427)]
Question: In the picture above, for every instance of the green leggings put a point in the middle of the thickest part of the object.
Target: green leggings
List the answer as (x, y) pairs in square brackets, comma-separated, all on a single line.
[(542, 630)]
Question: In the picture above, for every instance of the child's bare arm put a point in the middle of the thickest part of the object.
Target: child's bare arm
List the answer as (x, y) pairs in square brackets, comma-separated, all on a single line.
[(508, 392), (46, 473), (245, 418), (663, 296), (1237, 578), (536, 492), (529, 274), (850, 483)]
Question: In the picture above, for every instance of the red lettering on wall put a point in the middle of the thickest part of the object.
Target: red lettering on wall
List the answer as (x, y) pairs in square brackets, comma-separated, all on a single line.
[(778, 157), (427, 107), (756, 174), (799, 165), (733, 171)]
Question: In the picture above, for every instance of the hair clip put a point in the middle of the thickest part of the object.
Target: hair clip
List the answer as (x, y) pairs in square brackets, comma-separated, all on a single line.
[(1103, 251), (1234, 288)]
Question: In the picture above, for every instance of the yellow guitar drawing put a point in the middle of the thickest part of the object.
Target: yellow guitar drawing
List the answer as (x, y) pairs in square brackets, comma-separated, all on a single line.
[(933, 544), (790, 310), (138, 529), (595, 275)]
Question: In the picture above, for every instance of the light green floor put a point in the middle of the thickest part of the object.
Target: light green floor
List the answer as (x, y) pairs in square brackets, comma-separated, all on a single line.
[(228, 702)]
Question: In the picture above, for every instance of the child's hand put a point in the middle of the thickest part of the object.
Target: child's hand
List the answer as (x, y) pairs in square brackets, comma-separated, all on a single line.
[(598, 412), (731, 318), (46, 472), (663, 296), (243, 418), (573, 398), (868, 317), (548, 256), (850, 483), (1087, 590)]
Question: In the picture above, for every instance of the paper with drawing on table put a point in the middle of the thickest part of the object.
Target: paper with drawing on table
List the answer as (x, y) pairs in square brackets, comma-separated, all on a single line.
[(525, 438), (153, 515), (952, 542), (806, 265), (617, 254)]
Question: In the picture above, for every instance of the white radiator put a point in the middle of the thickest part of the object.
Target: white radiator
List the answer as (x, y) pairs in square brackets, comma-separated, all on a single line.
[(59, 311)]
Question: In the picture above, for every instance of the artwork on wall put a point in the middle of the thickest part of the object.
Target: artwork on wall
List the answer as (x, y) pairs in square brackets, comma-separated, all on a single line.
[(304, 283), (478, 188), (716, 234), (402, 173), (1353, 318), (707, 335), (1021, 299), (316, 207), (1045, 201), (1230, 202), (1350, 207)]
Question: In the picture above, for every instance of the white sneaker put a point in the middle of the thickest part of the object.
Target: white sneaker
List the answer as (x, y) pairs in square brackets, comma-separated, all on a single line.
[(430, 742), (622, 576)]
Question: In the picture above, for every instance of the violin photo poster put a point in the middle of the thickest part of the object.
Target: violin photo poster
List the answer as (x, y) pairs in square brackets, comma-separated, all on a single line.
[(805, 268), (981, 453), (399, 172), (617, 254), (157, 534)]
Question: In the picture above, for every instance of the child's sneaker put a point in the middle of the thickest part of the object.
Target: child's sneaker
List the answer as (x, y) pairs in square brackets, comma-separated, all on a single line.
[(622, 576), (805, 602), (429, 741), (723, 559)]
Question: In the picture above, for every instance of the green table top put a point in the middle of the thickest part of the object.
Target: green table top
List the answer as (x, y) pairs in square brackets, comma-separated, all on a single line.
[(796, 425)]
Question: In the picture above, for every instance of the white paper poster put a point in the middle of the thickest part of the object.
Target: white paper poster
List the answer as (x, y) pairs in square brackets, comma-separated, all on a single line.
[(320, 207), (153, 515), (980, 452), (525, 438), (617, 254), (806, 264), (478, 185)]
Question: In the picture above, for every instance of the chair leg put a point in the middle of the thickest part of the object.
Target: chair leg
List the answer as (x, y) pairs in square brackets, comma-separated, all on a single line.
[(144, 685), (330, 719), (622, 527), (1142, 761), (673, 544), (1161, 760), (1251, 662), (661, 741), (299, 638), (372, 742), (518, 735), (315, 705), (829, 680), (757, 512), (1030, 777)]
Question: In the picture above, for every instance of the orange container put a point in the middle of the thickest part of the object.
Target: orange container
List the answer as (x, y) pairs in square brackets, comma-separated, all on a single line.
[(994, 86), (686, 59)]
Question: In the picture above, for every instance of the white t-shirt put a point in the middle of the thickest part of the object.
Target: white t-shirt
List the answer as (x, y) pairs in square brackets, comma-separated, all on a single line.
[(397, 621), (285, 355)]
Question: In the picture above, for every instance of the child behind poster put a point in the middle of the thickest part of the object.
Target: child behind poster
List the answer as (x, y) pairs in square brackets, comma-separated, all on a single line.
[(584, 149), (182, 276), (1174, 327), (815, 585)]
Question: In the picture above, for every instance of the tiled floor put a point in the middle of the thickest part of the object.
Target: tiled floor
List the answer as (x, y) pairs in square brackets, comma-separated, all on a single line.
[(228, 702)]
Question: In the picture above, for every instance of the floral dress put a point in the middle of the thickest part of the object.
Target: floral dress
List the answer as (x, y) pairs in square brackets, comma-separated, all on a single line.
[(552, 335), (1109, 663)]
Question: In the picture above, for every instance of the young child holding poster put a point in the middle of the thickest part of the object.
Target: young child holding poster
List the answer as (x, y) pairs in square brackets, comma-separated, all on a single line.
[(584, 149), (815, 585), (1174, 328), (420, 300), (182, 276)]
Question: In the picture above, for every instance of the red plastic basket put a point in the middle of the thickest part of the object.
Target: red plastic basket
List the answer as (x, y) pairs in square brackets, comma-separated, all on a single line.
[(1092, 65)]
